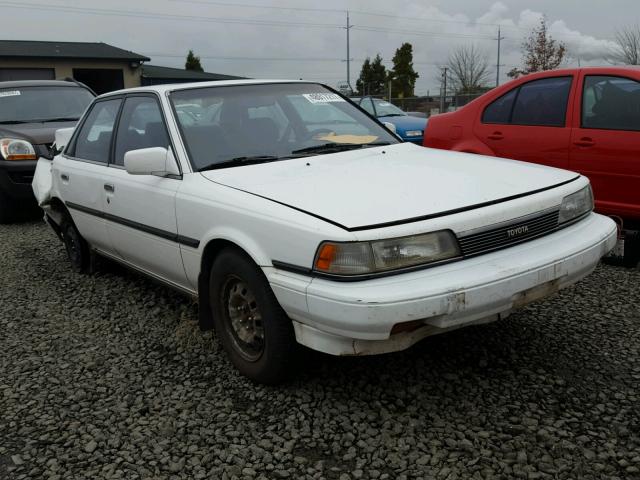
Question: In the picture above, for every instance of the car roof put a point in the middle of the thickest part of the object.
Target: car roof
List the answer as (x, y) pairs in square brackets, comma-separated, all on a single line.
[(172, 87), (39, 83)]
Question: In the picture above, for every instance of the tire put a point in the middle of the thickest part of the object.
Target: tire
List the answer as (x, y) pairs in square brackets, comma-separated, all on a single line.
[(252, 326), (77, 247), (631, 250), (6, 210)]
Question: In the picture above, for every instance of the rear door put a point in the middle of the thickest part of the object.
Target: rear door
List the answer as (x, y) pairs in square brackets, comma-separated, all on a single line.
[(80, 172), (140, 209), (605, 141), (530, 122)]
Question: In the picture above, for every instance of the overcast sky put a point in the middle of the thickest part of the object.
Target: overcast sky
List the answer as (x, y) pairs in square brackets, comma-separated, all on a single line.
[(263, 40)]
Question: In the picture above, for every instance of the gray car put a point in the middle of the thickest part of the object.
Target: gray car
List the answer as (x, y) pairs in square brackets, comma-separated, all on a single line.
[(30, 113)]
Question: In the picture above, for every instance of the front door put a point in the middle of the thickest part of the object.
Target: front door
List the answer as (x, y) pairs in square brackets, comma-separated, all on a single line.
[(140, 209), (605, 142)]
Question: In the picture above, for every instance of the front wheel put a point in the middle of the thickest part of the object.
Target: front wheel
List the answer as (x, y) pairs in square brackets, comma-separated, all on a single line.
[(253, 329)]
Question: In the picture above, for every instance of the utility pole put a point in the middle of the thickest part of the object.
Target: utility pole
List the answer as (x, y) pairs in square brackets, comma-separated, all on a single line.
[(500, 38), (443, 89), (348, 54)]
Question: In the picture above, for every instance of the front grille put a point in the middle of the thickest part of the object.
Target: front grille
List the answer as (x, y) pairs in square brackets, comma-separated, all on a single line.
[(507, 234), (21, 177)]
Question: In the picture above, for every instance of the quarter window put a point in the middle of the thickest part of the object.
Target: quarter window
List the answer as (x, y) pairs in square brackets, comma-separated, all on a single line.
[(500, 110), (141, 126), (94, 139), (542, 103), (611, 103)]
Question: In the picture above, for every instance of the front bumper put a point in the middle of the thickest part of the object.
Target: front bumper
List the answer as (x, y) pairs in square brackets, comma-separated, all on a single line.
[(16, 178), (356, 318)]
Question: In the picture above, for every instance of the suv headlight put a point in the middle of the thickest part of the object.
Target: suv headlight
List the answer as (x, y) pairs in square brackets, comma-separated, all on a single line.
[(15, 149), (362, 258), (576, 205)]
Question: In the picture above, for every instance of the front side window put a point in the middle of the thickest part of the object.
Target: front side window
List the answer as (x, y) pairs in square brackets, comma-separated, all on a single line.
[(611, 103), (141, 126), (94, 138), (270, 122), (43, 104), (542, 103)]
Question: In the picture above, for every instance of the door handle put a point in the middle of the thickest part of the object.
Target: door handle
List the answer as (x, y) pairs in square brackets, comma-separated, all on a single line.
[(584, 142), (496, 136), (64, 177), (109, 188)]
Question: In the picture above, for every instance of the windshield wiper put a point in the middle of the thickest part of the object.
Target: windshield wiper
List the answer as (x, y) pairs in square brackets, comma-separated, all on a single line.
[(59, 119), (338, 147), (247, 160), (14, 122), (393, 115)]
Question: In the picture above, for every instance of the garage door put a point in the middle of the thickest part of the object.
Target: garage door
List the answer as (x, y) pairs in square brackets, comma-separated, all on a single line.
[(7, 74)]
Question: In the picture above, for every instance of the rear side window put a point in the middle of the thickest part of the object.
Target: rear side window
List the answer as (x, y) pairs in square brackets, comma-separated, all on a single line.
[(537, 103), (499, 111), (94, 139), (611, 103), (542, 103), (141, 126)]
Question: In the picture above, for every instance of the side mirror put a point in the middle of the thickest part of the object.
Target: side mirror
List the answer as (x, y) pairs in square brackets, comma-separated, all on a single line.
[(61, 139), (157, 161), (390, 126)]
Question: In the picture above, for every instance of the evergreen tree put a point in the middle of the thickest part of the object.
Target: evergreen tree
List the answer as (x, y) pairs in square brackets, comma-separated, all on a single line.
[(372, 78), (403, 76), (193, 62)]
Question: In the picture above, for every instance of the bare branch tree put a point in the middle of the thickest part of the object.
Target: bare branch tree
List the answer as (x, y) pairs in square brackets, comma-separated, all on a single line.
[(628, 48), (469, 69), (540, 52)]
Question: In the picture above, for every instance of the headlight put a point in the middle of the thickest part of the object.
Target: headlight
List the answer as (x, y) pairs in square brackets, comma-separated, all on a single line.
[(576, 205), (361, 258), (413, 133), (14, 149)]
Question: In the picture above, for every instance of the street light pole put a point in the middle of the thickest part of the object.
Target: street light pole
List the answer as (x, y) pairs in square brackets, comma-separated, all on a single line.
[(348, 53)]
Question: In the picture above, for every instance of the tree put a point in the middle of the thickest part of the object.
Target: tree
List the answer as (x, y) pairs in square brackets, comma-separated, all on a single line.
[(372, 77), (403, 77), (469, 69), (628, 48), (193, 62), (540, 52)]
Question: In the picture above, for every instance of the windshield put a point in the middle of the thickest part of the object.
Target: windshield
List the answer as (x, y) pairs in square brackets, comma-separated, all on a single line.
[(386, 109), (221, 125), (40, 104)]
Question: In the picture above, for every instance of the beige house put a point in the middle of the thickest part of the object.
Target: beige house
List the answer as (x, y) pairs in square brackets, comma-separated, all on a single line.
[(100, 66)]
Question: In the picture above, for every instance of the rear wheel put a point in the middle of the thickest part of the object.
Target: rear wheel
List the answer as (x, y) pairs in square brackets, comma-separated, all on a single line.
[(253, 329), (77, 247)]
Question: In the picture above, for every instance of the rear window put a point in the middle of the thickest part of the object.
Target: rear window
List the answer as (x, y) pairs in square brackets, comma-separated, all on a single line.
[(42, 104)]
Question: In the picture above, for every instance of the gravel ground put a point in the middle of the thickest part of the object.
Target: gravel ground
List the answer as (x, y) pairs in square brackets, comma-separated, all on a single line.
[(106, 376)]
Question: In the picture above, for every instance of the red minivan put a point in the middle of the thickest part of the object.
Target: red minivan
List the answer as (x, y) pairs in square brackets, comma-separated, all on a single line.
[(583, 119)]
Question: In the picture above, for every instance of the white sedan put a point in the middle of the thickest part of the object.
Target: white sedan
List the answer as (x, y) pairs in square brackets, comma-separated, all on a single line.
[(296, 218)]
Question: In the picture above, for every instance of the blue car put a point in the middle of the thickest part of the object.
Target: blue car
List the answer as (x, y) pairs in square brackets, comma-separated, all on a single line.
[(410, 129)]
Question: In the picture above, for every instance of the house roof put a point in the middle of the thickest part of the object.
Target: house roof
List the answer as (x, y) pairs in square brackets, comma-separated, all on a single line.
[(158, 72), (86, 50)]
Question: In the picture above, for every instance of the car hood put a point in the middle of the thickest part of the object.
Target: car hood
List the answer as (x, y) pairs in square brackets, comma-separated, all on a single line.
[(406, 122), (382, 185), (35, 133)]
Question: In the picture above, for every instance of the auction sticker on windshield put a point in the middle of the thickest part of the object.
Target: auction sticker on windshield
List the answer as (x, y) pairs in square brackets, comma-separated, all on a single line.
[(323, 97), (10, 93)]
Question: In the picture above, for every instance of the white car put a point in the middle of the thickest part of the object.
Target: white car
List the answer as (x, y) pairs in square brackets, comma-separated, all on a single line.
[(338, 237)]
